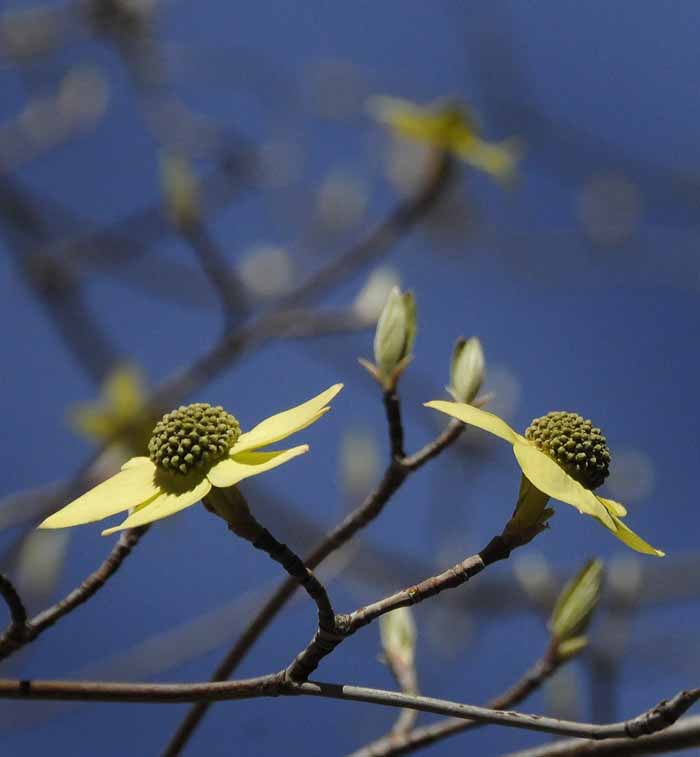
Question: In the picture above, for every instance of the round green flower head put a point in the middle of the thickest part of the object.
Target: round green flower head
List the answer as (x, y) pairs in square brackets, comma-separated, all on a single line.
[(562, 456), (193, 437), (575, 444), (192, 450)]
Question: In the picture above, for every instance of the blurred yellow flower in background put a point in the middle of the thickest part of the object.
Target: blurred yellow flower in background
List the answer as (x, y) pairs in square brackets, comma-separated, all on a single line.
[(118, 416), (449, 125)]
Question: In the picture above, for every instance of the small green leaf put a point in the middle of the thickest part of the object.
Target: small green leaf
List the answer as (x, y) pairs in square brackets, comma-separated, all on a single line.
[(576, 603), (571, 647)]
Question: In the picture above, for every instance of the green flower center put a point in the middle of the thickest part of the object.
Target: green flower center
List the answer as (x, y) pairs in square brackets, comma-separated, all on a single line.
[(574, 444), (193, 437)]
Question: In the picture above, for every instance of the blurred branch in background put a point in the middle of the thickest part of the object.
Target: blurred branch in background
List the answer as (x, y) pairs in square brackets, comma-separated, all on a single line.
[(75, 68)]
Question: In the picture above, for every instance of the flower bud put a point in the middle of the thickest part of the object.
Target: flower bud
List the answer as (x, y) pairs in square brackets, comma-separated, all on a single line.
[(394, 337), (180, 191), (574, 608), (398, 635), (466, 369)]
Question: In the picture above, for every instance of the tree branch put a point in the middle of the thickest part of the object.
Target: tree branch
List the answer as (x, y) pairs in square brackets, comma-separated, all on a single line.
[(12, 637), (15, 637), (223, 278), (407, 742), (406, 215), (231, 506), (683, 735), (395, 474), (322, 645), (656, 719)]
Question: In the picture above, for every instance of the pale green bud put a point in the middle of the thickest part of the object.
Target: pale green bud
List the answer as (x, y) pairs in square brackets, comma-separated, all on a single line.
[(574, 608), (571, 647), (397, 630), (466, 369), (180, 191), (394, 337)]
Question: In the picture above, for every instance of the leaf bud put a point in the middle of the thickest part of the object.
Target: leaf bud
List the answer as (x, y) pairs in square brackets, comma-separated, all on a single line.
[(466, 369)]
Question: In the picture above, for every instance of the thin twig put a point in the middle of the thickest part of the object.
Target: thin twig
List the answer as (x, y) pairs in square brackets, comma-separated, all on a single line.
[(9, 642), (682, 735), (407, 214), (394, 475), (393, 416), (221, 275), (321, 645), (13, 637), (404, 743), (18, 612), (53, 284), (651, 721), (232, 506)]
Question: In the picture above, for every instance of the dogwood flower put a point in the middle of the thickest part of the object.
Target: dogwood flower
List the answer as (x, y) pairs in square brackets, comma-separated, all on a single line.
[(119, 414), (192, 449), (561, 456), (448, 125)]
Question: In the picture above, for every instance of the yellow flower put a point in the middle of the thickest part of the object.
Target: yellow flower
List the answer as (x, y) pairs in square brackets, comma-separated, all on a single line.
[(450, 126), (118, 415), (192, 449), (573, 444)]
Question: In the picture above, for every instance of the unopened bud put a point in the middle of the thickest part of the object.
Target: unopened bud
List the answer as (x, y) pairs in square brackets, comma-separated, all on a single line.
[(180, 191), (393, 339), (466, 369), (574, 608), (398, 635)]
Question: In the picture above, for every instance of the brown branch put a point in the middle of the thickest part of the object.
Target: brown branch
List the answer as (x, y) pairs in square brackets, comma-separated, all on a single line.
[(404, 743), (377, 242), (656, 719), (51, 282), (394, 476), (682, 735), (393, 417), (322, 645), (223, 278), (14, 638), (231, 506), (406, 215)]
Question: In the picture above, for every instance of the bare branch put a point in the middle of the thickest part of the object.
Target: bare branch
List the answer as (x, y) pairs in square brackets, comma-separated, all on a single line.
[(377, 242), (683, 735), (656, 719), (10, 641), (322, 644), (405, 743), (223, 278), (394, 476), (231, 506), (13, 637)]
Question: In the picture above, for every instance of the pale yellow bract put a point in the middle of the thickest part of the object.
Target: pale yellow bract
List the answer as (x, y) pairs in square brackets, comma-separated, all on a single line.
[(549, 477), (141, 487), (448, 126)]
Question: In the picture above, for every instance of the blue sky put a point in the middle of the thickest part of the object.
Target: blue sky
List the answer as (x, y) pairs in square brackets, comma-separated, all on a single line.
[(582, 284)]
